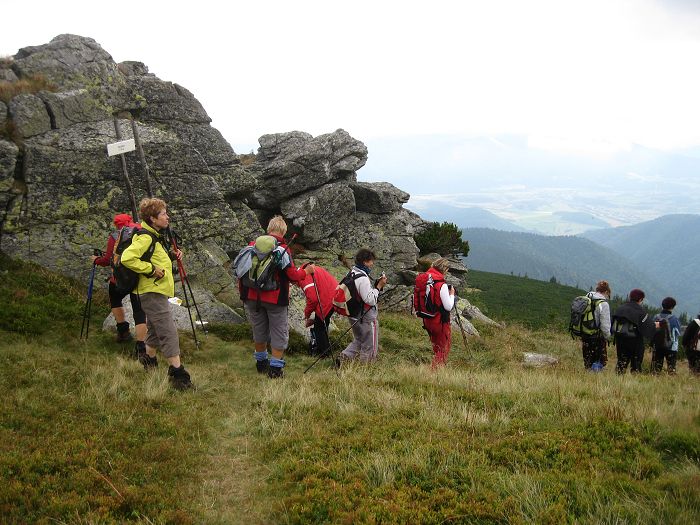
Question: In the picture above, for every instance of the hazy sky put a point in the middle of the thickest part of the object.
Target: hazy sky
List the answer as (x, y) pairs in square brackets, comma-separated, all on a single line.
[(590, 77)]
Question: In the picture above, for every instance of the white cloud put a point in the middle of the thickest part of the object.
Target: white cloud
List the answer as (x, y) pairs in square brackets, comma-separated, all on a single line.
[(589, 77)]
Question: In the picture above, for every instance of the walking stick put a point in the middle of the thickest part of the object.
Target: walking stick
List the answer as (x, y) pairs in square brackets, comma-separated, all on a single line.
[(185, 285), (88, 303), (461, 328), (340, 337)]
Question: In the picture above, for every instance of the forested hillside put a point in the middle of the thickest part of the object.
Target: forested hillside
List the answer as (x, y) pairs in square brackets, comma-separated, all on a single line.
[(667, 247), (570, 260)]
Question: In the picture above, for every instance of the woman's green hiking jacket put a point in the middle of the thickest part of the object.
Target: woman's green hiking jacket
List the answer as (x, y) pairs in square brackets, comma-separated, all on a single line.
[(131, 258)]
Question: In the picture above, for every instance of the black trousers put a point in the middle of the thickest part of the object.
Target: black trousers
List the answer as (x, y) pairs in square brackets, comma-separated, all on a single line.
[(319, 336), (657, 360), (629, 350), (694, 361), (594, 349)]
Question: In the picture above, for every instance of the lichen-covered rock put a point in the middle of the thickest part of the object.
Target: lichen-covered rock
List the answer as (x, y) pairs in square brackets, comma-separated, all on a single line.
[(7, 75), (378, 197), (3, 115), (29, 115), (320, 212), (72, 107), (294, 163), (539, 360), (8, 161), (68, 61)]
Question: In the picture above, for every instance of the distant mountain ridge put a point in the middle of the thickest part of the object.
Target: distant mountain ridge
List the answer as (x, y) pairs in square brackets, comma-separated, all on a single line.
[(469, 217), (667, 247), (570, 260)]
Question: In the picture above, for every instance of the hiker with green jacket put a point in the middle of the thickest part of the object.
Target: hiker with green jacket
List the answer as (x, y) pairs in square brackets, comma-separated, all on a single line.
[(156, 285)]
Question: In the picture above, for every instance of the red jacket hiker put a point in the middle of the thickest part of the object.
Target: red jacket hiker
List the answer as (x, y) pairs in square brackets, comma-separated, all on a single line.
[(326, 290), (120, 221)]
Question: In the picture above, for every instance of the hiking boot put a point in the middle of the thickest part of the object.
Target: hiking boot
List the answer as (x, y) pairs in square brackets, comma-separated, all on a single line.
[(148, 362), (123, 333), (139, 350), (275, 372), (179, 378), (262, 366)]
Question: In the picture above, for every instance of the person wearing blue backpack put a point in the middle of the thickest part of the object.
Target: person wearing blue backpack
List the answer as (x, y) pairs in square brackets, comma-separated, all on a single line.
[(665, 340)]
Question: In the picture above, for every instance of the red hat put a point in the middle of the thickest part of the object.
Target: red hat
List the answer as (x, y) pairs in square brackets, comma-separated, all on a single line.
[(123, 219), (636, 295)]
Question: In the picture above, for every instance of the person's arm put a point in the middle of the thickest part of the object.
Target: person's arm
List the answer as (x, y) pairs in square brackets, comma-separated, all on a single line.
[(368, 293), (131, 258), (311, 300), (447, 297), (603, 312), (106, 258)]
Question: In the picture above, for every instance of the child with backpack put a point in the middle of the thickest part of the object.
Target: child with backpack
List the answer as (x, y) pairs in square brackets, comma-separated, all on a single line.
[(264, 269), (364, 320), (433, 300), (691, 344), (665, 340), (631, 324), (116, 296)]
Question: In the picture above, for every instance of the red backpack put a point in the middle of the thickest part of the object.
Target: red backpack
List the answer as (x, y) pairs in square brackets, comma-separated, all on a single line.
[(426, 296)]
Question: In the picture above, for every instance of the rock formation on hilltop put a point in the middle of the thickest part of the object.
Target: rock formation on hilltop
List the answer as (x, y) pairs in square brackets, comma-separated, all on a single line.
[(59, 189)]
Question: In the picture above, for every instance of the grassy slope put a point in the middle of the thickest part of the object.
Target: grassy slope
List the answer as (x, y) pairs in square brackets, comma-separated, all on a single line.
[(86, 436)]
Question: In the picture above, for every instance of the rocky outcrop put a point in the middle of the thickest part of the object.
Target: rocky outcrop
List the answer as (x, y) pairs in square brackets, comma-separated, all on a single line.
[(55, 159)]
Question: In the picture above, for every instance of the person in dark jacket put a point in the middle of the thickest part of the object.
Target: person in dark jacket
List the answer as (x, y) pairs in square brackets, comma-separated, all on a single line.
[(665, 342), (631, 324), (691, 344)]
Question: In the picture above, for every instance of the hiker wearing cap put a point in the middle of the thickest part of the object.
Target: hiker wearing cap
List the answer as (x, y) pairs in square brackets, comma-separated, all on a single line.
[(365, 327), (115, 297), (631, 324), (156, 285), (442, 297), (594, 347), (665, 340), (320, 286), (266, 307)]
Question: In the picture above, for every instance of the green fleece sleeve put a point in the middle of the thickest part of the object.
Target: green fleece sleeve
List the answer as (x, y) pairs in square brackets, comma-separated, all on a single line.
[(131, 258)]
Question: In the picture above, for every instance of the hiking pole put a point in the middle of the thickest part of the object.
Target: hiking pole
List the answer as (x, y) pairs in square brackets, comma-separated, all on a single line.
[(183, 281), (88, 302), (461, 328)]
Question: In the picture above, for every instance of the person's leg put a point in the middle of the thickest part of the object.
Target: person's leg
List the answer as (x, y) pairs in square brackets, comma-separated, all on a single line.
[(115, 302), (657, 361), (587, 350), (353, 349), (257, 317), (369, 337), (321, 333), (279, 338), (671, 357), (637, 356), (623, 358)]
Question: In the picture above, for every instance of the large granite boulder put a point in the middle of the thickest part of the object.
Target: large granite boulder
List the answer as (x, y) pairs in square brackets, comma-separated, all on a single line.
[(3, 114), (8, 157), (378, 197), (294, 163)]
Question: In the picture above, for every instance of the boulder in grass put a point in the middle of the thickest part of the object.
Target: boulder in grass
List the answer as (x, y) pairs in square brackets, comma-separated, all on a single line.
[(539, 360)]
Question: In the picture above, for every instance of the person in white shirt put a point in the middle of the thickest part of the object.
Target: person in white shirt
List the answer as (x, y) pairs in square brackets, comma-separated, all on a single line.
[(365, 327)]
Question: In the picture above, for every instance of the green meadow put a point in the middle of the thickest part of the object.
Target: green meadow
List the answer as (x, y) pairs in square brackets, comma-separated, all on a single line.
[(87, 436)]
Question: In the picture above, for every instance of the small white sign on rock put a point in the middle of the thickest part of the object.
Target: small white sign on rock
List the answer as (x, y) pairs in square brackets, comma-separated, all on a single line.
[(123, 146)]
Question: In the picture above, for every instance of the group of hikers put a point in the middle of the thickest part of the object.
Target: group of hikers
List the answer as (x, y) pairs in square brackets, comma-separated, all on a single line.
[(630, 327), (265, 270), (142, 262)]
